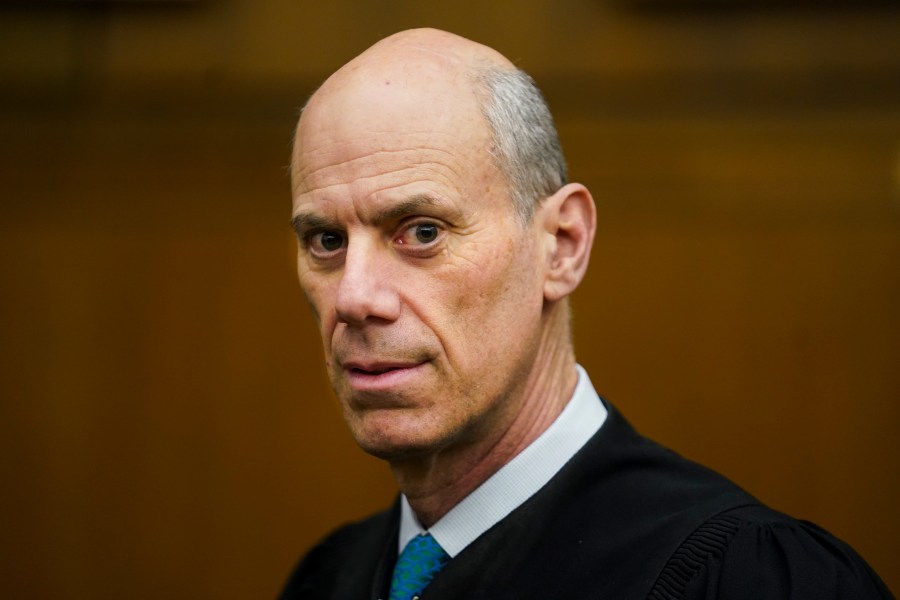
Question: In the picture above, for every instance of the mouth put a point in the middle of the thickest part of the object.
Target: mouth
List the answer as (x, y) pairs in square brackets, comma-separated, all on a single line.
[(374, 371), (381, 376)]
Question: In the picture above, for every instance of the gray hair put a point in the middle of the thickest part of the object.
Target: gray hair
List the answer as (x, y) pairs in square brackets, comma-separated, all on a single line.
[(525, 145)]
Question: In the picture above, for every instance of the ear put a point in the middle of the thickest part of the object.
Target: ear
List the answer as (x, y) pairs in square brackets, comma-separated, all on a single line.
[(569, 219)]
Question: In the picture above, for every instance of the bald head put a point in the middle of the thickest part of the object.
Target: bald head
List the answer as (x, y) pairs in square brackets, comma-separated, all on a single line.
[(411, 50), (430, 79)]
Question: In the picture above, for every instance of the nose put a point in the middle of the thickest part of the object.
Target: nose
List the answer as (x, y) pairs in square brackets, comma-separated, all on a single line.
[(367, 289)]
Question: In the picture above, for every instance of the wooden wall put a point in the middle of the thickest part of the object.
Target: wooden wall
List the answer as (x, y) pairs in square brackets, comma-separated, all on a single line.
[(167, 430)]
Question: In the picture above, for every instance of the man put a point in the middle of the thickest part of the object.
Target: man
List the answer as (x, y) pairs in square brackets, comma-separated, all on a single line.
[(438, 244)]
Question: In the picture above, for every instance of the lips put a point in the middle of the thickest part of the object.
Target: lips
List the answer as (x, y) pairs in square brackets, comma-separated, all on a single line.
[(376, 368), (381, 375), (372, 371)]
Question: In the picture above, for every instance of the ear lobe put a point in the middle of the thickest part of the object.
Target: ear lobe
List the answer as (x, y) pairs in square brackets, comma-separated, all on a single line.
[(570, 219)]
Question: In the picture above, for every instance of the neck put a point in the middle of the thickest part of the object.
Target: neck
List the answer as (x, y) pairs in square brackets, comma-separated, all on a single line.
[(435, 484)]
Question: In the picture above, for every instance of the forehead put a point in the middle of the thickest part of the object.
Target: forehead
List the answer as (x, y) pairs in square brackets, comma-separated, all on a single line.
[(422, 110)]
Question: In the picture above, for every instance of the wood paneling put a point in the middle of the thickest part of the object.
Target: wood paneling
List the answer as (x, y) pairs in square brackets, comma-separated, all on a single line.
[(167, 427)]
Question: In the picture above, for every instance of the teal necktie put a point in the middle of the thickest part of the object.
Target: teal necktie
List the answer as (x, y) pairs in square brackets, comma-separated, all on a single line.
[(419, 562)]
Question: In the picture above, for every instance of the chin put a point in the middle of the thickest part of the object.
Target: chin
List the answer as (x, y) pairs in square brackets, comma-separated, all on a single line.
[(394, 441), (396, 450)]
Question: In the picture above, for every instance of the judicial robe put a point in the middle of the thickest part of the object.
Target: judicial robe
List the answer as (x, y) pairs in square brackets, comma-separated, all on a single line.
[(624, 519)]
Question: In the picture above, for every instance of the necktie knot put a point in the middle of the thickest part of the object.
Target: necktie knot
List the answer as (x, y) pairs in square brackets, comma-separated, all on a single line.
[(417, 565)]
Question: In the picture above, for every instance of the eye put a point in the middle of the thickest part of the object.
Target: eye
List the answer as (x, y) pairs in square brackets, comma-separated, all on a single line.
[(420, 234), (325, 242), (426, 233), (331, 241)]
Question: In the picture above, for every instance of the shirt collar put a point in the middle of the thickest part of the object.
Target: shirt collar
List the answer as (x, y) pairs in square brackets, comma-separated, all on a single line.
[(517, 480)]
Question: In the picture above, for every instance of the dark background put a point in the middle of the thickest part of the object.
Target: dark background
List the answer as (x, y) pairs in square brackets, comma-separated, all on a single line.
[(167, 430)]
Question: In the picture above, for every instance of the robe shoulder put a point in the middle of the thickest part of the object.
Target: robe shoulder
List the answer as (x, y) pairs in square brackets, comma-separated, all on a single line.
[(345, 563), (755, 552)]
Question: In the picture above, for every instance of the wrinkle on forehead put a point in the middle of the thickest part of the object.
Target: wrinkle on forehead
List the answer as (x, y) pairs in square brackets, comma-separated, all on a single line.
[(366, 157)]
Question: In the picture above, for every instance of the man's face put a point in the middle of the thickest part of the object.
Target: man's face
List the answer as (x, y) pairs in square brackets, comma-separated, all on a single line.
[(426, 287)]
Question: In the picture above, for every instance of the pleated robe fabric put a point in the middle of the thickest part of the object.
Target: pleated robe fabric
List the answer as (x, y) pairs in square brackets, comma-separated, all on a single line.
[(625, 519)]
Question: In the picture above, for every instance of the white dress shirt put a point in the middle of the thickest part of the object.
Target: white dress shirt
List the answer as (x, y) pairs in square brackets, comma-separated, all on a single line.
[(517, 480)]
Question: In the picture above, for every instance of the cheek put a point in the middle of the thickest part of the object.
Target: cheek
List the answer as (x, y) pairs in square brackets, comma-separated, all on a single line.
[(501, 275), (313, 306), (320, 298), (495, 298)]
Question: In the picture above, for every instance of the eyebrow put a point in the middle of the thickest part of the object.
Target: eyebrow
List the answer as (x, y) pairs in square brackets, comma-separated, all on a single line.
[(305, 221), (410, 206)]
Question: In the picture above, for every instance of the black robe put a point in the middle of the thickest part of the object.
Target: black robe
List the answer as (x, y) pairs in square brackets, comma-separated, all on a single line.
[(624, 519)]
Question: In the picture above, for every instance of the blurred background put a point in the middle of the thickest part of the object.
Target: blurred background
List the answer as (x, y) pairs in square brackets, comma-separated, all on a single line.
[(167, 429)]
